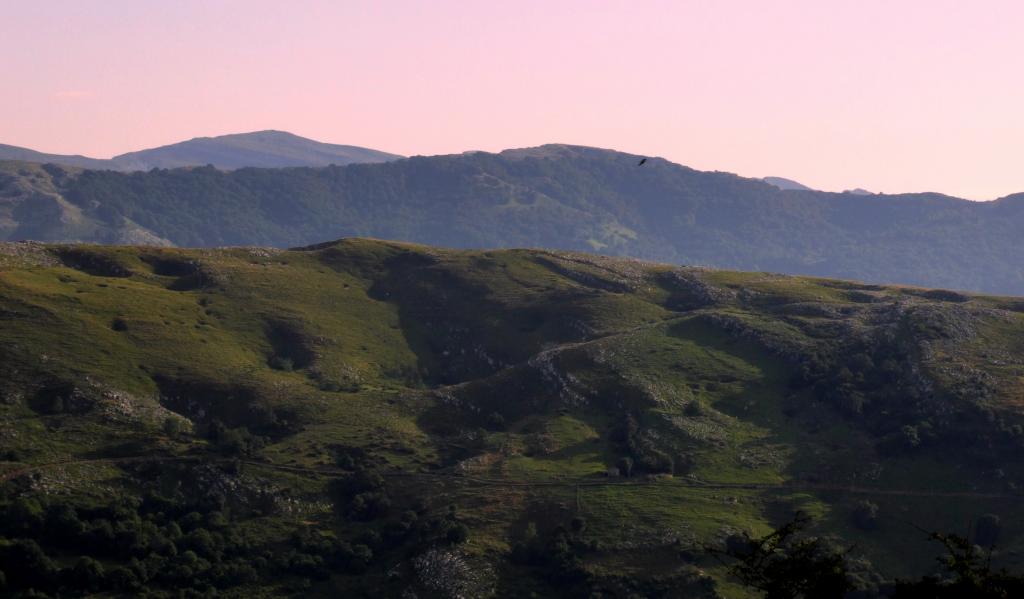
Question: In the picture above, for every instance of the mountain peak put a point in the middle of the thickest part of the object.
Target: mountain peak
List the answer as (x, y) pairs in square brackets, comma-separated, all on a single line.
[(262, 135), (269, 149), (786, 184)]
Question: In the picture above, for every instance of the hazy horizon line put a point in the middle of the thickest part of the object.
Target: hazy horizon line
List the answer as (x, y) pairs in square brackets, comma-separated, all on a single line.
[(502, 149)]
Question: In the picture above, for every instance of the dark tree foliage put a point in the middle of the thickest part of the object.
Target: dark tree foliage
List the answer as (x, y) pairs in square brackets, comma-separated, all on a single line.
[(361, 496), (969, 573), (625, 466), (27, 566), (556, 553), (233, 441), (788, 565), (130, 545), (172, 427), (875, 380), (87, 574), (643, 453)]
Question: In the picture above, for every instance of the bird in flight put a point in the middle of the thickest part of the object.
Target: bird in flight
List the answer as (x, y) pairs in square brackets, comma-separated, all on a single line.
[(642, 161)]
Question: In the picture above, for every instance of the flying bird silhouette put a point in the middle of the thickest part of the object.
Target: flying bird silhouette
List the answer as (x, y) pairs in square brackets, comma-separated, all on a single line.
[(642, 161)]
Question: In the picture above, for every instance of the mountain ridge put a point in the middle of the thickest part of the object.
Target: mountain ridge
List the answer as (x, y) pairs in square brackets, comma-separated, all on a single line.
[(16, 153), (257, 149), (784, 183), (266, 148), (556, 196)]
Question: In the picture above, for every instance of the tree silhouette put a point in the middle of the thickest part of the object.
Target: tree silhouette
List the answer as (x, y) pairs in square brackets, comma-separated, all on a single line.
[(788, 565)]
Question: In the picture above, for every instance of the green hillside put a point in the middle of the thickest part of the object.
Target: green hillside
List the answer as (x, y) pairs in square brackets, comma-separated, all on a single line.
[(554, 197), (382, 419)]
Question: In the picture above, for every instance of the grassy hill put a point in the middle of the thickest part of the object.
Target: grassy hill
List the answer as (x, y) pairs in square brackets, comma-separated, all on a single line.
[(556, 197), (368, 417)]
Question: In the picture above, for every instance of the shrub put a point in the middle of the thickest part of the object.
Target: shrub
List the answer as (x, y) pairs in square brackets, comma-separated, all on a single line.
[(911, 439), (360, 558), (216, 519), (233, 441), (282, 363), (496, 422), (368, 505), (456, 533), (683, 463), (24, 516), (100, 535), (201, 541), (62, 522), (27, 565), (172, 427), (122, 579), (87, 573)]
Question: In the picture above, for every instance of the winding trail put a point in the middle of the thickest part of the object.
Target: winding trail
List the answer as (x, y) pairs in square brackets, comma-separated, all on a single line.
[(674, 483)]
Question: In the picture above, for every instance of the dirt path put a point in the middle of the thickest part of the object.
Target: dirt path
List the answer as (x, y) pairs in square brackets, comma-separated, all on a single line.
[(564, 483), (686, 483)]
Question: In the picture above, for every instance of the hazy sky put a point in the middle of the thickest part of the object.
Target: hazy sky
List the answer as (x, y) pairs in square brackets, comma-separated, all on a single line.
[(893, 95)]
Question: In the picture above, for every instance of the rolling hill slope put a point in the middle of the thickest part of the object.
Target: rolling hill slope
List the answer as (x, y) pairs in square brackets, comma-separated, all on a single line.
[(558, 197), (367, 417)]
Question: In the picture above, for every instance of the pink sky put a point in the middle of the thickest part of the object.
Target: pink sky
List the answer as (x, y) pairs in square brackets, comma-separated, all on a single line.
[(894, 95)]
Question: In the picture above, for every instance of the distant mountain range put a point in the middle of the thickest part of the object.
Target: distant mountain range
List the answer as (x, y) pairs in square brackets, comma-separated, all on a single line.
[(791, 185), (783, 183), (267, 149), (24, 154), (554, 196)]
